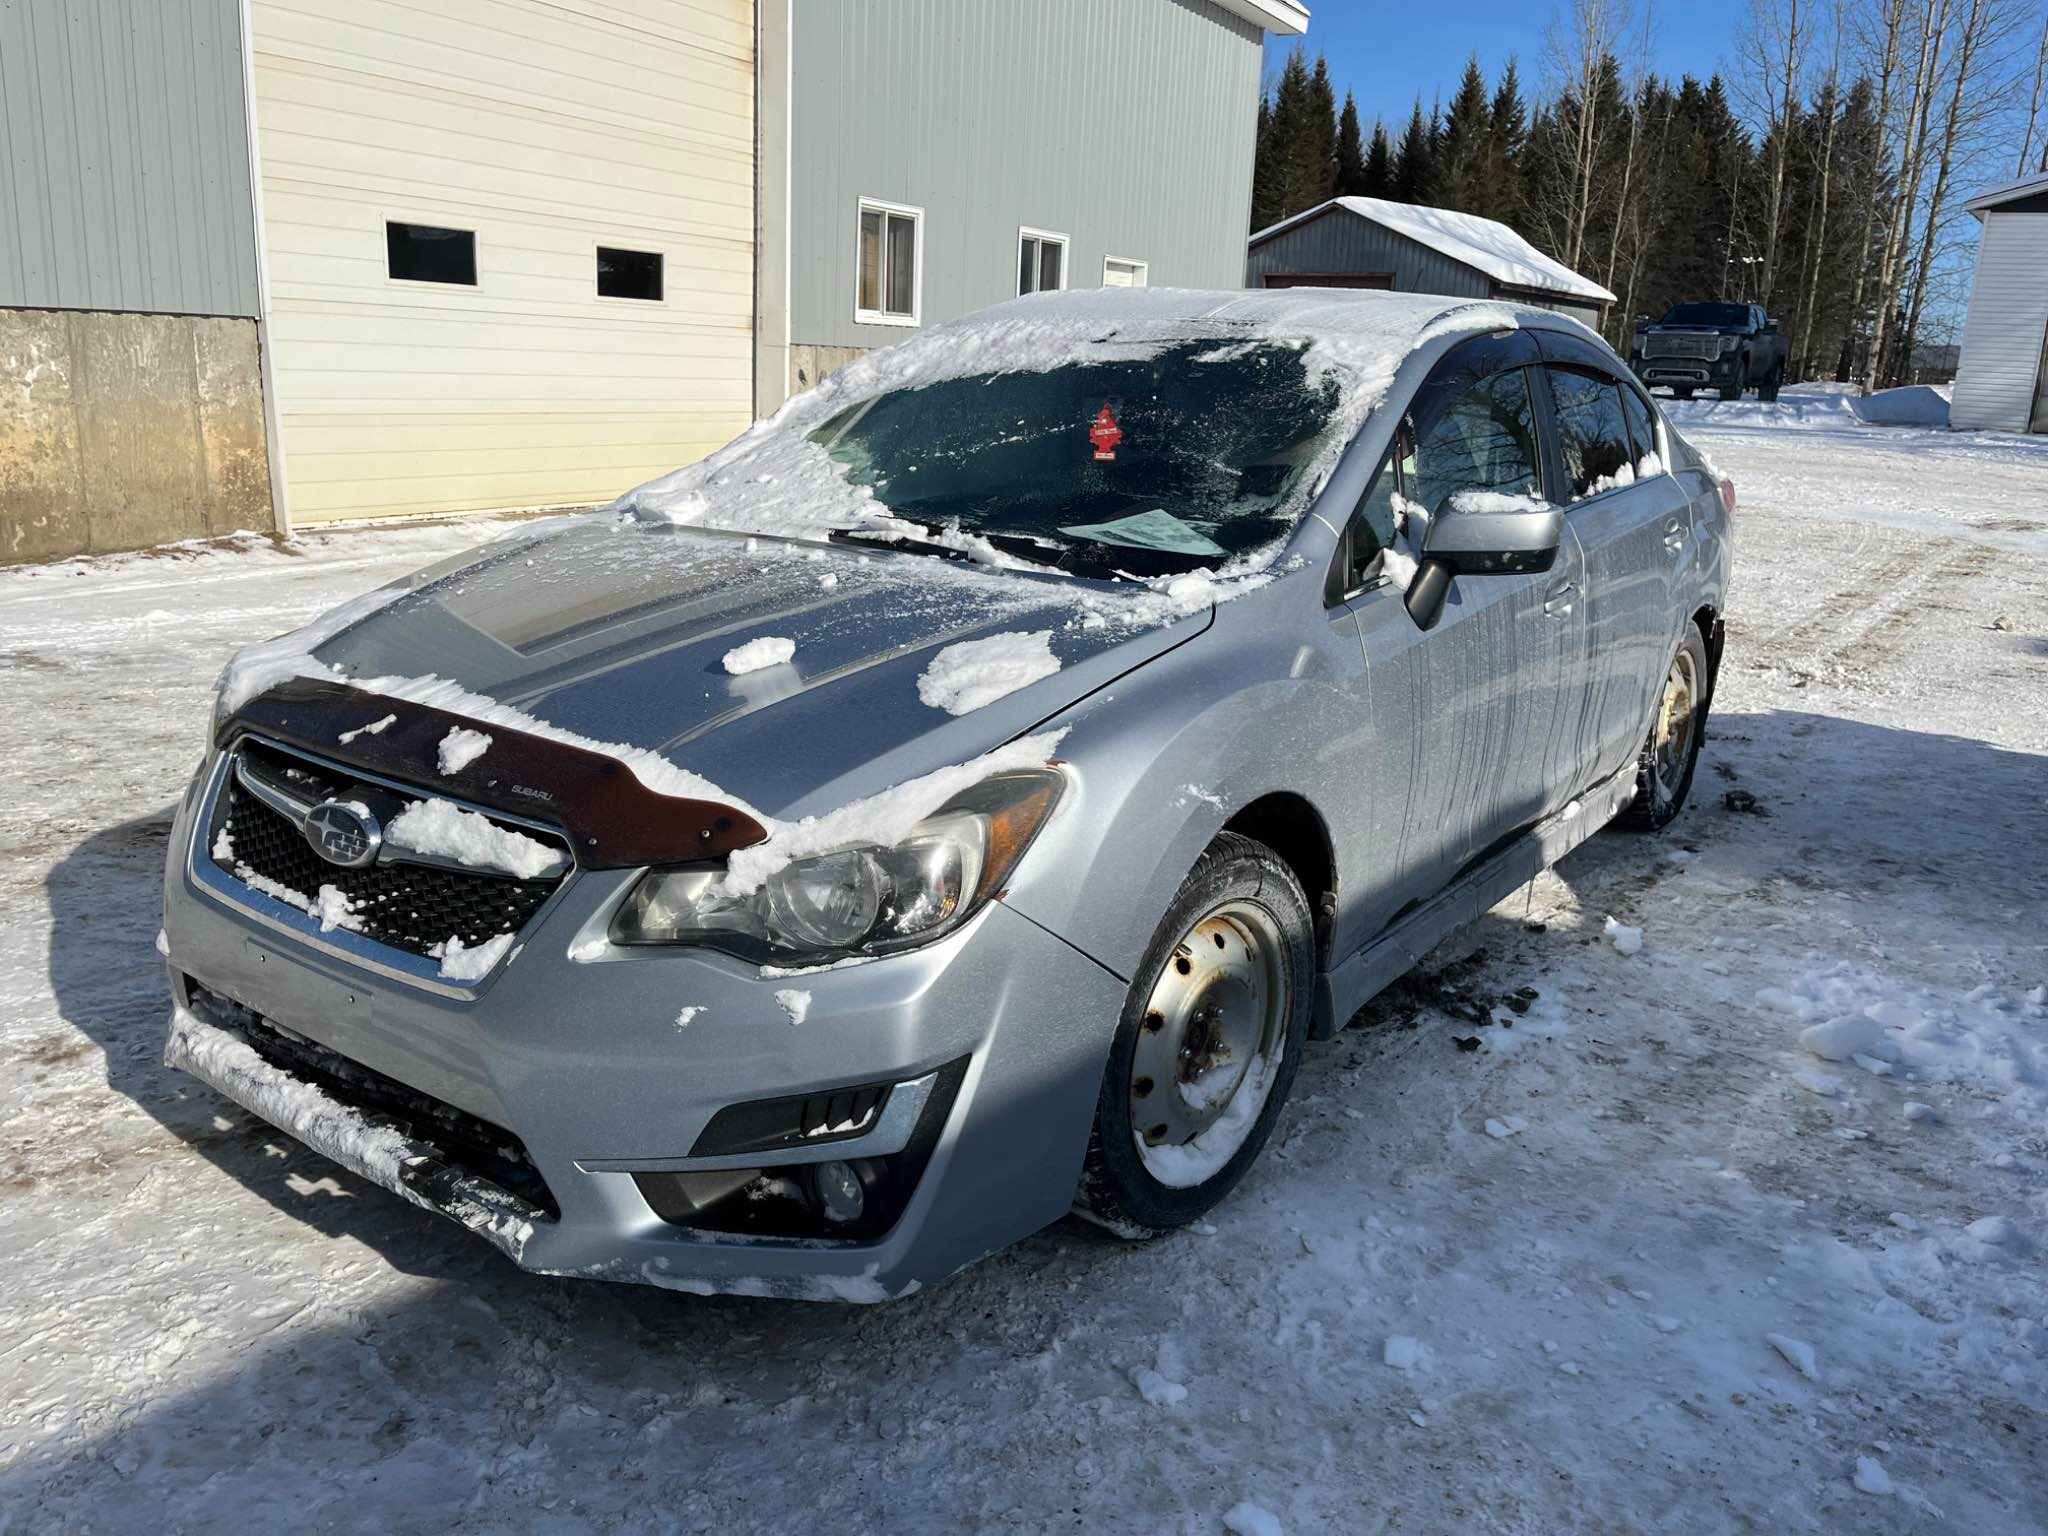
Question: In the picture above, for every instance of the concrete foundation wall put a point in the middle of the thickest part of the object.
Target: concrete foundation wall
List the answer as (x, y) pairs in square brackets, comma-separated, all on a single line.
[(810, 366), (118, 431)]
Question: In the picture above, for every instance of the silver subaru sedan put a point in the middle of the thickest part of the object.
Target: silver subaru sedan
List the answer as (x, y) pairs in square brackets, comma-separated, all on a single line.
[(963, 799)]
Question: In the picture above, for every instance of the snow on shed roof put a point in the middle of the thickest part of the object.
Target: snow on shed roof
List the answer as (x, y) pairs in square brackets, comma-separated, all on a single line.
[(2008, 192), (1487, 245)]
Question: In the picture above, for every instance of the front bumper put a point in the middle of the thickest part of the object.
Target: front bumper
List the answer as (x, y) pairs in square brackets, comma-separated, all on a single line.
[(584, 1062)]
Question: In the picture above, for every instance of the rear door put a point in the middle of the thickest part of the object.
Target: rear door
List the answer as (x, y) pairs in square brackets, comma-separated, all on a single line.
[(1632, 525)]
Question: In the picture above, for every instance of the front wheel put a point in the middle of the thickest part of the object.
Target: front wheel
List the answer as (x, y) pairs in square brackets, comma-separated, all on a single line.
[(1665, 766), (1206, 1050)]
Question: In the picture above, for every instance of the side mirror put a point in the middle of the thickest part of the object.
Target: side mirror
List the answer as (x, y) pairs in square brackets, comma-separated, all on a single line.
[(1481, 542)]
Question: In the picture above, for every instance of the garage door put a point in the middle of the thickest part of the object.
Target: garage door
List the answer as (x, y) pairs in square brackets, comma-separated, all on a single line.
[(510, 246)]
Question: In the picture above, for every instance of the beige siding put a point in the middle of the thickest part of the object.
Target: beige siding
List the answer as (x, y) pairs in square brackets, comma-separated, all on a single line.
[(549, 127)]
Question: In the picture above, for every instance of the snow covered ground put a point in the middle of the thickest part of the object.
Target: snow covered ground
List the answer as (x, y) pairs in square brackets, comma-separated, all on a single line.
[(1639, 1259)]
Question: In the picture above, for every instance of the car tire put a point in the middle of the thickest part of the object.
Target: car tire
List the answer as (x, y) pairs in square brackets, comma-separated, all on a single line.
[(1733, 391), (1233, 962), (1678, 393), (1664, 767)]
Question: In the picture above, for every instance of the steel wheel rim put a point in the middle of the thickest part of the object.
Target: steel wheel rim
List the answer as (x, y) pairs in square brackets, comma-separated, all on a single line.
[(1677, 719), (1218, 1005)]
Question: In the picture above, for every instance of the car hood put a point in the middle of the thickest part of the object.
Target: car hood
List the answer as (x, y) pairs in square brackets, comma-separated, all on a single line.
[(618, 631)]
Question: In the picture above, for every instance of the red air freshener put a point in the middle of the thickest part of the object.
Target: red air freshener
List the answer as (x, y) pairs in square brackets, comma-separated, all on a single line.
[(1105, 434)]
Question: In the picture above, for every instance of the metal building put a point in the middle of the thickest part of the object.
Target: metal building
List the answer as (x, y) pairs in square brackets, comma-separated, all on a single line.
[(274, 263), (2002, 376), (1368, 242)]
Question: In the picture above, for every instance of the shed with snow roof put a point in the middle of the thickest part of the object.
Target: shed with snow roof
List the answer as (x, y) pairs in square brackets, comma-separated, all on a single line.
[(2002, 375), (1368, 242)]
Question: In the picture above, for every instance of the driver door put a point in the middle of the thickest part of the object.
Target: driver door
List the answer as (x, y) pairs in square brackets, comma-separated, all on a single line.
[(1471, 739)]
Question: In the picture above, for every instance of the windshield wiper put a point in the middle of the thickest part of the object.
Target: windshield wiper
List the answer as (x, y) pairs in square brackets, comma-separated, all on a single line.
[(896, 541), (1045, 553)]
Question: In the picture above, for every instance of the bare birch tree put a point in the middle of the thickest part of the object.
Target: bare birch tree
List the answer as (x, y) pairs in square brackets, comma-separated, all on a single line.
[(1887, 41), (1932, 22), (2034, 103), (1580, 40), (1773, 48), (1817, 222), (1975, 96)]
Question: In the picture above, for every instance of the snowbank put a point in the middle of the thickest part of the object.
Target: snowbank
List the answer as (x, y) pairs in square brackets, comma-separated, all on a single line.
[(1819, 406)]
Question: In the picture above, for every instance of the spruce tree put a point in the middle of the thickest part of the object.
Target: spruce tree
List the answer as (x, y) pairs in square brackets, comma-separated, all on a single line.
[(1379, 164), (1316, 168), (1507, 138), (1462, 145), (1269, 177), (1414, 161), (1350, 151)]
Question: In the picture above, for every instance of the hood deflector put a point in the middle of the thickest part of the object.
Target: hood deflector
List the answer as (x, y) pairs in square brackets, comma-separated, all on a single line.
[(615, 820)]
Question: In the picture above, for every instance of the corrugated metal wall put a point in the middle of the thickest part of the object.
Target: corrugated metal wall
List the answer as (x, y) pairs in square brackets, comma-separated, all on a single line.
[(1341, 241), (2002, 359), (1126, 125), (124, 157)]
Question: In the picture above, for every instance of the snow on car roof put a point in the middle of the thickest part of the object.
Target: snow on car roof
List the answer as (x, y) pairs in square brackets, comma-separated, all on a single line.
[(1485, 244)]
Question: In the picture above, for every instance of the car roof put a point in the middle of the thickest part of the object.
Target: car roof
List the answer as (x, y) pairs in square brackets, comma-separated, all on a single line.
[(1368, 328)]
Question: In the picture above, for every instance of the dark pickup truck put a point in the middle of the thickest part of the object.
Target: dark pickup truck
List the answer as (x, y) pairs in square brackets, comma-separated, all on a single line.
[(1711, 345)]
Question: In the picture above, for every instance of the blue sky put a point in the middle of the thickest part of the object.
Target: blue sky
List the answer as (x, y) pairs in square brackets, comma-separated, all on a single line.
[(1387, 53)]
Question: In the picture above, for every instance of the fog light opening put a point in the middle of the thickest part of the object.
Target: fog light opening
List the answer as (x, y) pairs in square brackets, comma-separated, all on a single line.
[(841, 1191)]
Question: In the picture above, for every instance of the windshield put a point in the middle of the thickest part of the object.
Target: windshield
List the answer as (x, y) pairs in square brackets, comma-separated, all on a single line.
[(1171, 462), (1707, 314)]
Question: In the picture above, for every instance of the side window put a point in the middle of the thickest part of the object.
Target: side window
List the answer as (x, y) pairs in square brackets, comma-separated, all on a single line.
[(1642, 429), (1592, 432), (1485, 440), (1373, 521)]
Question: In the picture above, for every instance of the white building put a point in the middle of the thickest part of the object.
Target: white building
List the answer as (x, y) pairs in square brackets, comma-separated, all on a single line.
[(2002, 379)]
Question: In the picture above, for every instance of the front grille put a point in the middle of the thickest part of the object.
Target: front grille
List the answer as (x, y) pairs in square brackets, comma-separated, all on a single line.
[(471, 1147), (413, 907), (1698, 348)]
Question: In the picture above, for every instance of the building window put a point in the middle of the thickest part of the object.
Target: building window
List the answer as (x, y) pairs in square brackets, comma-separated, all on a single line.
[(1118, 272), (1041, 261), (628, 274), (891, 264), (424, 253)]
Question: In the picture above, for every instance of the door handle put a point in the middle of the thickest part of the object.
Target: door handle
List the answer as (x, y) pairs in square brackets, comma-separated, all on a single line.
[(1557, 604), (1674, 535)]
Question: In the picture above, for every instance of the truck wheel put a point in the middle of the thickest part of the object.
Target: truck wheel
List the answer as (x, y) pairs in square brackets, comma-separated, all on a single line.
[(1733, 391), (1665, 766), (1211, 1036), (1681, 392), (1768, 390)]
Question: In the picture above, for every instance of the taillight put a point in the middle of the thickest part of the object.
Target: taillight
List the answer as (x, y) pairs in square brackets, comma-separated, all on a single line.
[(1728, 496)]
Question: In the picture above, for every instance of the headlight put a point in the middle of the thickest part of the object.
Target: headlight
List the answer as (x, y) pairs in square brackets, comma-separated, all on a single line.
[(859, 900)]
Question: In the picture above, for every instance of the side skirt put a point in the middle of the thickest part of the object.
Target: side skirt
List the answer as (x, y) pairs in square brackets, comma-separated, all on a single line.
[(1343, 990)]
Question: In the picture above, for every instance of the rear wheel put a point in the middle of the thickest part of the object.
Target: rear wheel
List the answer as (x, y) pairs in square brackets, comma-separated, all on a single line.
[(1665, 766), (1205, 1053)]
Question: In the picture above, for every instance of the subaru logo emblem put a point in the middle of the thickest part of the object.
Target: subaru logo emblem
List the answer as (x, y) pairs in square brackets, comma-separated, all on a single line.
[(344, 833)]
